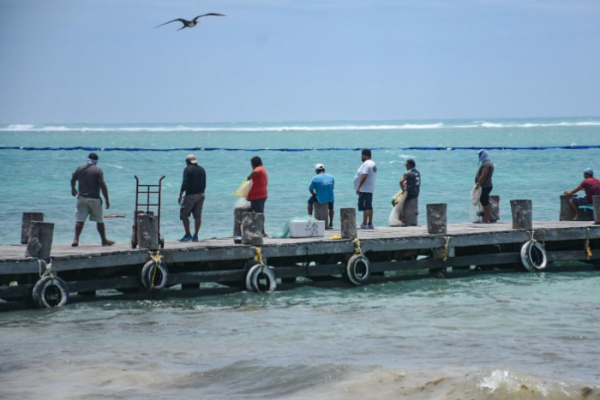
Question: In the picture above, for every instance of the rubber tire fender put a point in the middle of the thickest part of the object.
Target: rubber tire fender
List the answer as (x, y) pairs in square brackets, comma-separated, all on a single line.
[(352, 272), (253, 275), (161, 278), (527, 257), (46, 288)]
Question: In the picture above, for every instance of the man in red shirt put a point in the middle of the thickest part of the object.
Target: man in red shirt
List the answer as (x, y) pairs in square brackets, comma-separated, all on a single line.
[(257, 196), (590, 185)]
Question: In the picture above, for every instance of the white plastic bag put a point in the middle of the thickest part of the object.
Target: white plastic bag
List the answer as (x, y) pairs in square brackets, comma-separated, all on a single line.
[(241, 194), (394, 218), (474, 208)]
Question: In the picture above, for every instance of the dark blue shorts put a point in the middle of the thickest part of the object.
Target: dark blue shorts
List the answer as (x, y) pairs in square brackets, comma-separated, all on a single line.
[(580, 201), (365, 201), (485, 195), (312, 199), (258, 206)]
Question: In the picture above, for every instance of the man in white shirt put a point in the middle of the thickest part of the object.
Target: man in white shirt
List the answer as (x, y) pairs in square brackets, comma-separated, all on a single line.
[(364, 185)]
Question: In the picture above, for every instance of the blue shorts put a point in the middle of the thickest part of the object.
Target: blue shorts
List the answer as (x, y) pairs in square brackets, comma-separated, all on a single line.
[(312, 199), (580, 201), (365, 201)]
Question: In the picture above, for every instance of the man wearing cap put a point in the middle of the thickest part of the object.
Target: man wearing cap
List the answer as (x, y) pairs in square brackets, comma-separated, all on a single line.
[(411, 184), (591, 186), (483, 179), (90, 181), (193, 185), (321, 190)]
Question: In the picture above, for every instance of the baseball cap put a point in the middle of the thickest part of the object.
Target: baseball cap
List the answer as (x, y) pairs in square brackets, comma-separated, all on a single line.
[(191, 158), (589, 171), (93, 156), (319, 167)]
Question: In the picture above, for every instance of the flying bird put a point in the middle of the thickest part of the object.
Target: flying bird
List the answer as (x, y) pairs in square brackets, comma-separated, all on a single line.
[(192, 23)]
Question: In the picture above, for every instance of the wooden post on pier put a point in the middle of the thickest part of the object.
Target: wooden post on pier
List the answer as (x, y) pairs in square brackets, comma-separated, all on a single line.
[(322, 212), (411, 211), (26, 224), (238, 214), (494, 208), (147, 231), (596, 210), (521, 214), (40, 240), (348, 217), (436, 219), (252, 228), (566, 211)]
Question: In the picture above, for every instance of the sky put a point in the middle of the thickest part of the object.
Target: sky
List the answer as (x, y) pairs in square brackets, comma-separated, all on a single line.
[(105, 61)]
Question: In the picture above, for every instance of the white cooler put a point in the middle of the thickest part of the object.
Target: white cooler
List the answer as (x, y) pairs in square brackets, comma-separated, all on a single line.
[(307, 229)]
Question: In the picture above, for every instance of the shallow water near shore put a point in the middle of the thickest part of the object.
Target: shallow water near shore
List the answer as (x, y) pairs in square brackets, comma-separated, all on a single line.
[(510, 336)]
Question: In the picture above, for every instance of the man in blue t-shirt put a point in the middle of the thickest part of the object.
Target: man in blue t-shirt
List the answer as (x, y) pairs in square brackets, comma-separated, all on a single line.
[(321, 190)]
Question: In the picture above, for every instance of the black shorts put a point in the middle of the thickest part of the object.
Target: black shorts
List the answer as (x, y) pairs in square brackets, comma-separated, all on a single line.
[(485, 195), (312, 199), (258, 205), (365, 201)]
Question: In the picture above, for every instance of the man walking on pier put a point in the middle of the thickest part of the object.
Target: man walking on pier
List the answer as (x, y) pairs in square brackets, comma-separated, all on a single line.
[(193, 185), (590, 185), (364, 185), (91, 181)]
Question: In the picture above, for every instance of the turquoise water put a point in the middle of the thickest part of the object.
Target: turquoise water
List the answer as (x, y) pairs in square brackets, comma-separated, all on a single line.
[(513, 336), (39, 180)]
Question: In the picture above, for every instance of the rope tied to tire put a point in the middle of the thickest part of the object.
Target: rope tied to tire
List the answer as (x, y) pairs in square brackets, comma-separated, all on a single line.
[(587, 245), (47, 268), (357, 249), (446, 248), (157, 258), (258, 258), (354, 275)]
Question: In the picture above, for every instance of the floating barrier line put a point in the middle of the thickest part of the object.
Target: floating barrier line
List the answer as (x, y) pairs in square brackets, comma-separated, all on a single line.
[(86, 148)]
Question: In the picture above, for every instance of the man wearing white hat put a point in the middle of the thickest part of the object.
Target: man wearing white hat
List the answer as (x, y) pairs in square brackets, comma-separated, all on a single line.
[(321, 189), (193, 185), (591, 186)]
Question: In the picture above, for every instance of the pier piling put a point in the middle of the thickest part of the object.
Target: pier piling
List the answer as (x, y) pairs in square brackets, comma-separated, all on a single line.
[(521, 214), (436, 218)]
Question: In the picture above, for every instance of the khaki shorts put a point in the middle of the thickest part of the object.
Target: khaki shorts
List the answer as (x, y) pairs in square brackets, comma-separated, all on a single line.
[(192, 205), (91, 207)]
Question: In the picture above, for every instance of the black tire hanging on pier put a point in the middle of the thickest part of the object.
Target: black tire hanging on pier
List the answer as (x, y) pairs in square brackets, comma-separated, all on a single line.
[(533, 256), (50, 292), (358, 269), (155, 278), (261, 278)]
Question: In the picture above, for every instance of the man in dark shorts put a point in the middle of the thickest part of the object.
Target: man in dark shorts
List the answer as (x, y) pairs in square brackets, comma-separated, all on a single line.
[(90, 180), (193, 185), (364, 186), (321, 190), (483, 179), (411, 184), (590, 185)]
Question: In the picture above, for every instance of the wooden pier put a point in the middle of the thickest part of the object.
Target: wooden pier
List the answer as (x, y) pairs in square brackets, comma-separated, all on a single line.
[(218, 265)]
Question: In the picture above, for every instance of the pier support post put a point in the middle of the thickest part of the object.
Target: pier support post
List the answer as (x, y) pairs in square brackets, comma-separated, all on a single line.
[(494, 208), (596, 210), (411, 211), (40, 240), (436, 219), (252, 228), (26, 224), (238, 214), (322, 212), (147, 231), (348, 217), (566, 211), (521, 214)]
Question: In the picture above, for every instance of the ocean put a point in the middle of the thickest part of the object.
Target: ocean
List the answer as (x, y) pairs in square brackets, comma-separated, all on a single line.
[(512, 336)]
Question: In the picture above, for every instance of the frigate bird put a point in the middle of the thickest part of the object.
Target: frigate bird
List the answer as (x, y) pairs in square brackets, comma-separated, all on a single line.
[(192, 23)]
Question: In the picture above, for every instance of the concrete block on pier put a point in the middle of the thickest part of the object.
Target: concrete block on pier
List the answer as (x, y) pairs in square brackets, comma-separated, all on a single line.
[(348, 217), (521, 214), (252, 228), (321, 212), (436, 218), (26, 224), (411, 212), (147, 231), (40, 240)]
